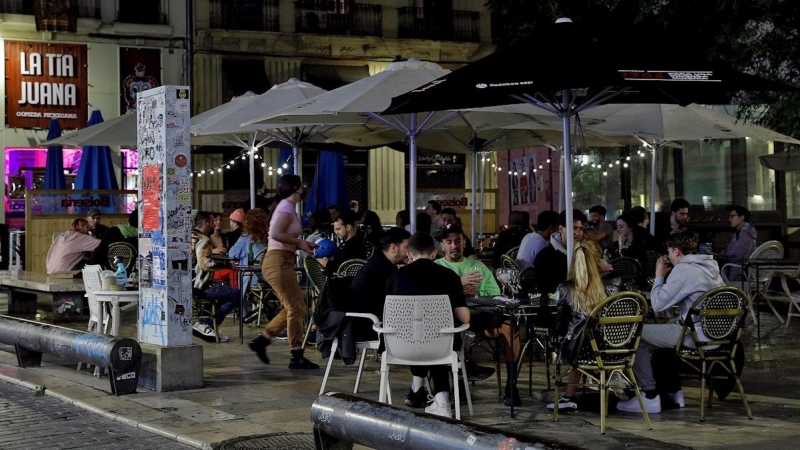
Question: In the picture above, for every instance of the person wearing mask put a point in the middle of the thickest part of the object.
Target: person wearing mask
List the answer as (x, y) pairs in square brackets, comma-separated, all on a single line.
[(278, 271), (68, 250), (237, 220)]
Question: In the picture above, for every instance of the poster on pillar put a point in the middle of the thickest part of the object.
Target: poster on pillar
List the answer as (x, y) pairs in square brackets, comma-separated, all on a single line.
[(165, 216)]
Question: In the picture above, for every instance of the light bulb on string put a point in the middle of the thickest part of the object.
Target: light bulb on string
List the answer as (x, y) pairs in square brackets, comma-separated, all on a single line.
[(191, 174), (628, 158), (625, 165), (534, 170), (199, 175), (510, 172), (263, 164), (280, 171), (228, 166), (219, 170), (540, 166), (285, 166), (233, 161), (616, 162), (610, 165), (548, 160), (605, 173), (524, 173)]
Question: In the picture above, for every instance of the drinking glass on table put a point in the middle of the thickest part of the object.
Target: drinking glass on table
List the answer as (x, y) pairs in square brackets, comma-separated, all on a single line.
[(476, 281)]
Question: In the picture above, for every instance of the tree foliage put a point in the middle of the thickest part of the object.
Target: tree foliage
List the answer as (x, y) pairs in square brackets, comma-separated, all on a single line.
[(755, 36)]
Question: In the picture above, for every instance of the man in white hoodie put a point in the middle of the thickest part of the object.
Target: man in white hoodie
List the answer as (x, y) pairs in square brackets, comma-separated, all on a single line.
[(690, 276)]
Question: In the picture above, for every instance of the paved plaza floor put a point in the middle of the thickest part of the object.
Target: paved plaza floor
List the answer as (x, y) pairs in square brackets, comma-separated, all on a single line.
[(243, 397)]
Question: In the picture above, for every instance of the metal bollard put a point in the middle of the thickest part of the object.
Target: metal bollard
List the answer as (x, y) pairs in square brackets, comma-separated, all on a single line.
[(341, 418), (121, 356)]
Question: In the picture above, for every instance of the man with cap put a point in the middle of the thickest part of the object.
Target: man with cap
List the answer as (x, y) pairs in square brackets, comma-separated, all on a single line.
[(533, 243), (96, 229), (124, 232), (477, 279)]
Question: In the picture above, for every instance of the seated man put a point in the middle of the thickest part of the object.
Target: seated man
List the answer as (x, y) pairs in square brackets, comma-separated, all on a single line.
[(510, 237), (743, 242), (226, 297), (423, 277), (369, 285), (68, 251), (96, 229), (124, 232), (351, 247), (477, 279), (551, 261), (691, 275), (533, 243)]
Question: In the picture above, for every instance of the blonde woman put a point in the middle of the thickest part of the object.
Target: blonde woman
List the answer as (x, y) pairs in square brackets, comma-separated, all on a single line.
[(577, 296)]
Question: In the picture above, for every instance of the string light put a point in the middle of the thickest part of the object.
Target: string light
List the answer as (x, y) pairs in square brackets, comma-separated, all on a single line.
[(243, 156)]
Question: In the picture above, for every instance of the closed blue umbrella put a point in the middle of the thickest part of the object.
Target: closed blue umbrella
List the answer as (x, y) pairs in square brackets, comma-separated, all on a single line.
[(330, 183), (96, 171), (54, 167)]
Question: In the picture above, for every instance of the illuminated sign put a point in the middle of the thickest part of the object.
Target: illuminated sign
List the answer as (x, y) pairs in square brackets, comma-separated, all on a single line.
[(45, 81)]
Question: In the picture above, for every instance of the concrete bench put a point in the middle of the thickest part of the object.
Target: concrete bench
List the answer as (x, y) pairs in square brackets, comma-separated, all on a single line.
[(69, 303)]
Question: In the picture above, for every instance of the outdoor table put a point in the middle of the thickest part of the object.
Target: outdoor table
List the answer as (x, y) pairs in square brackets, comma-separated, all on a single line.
[(245, 272), (758, 265), (114, 298), (512, 309)]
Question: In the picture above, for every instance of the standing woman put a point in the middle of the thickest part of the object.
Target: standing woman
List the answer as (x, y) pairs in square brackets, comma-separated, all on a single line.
[(278, 270)]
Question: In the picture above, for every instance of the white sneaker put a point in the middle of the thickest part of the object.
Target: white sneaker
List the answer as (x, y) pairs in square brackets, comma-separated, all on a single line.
[(564, 402), (222, 337), (677, 398), (439, 409), (204, 330), (651, 405)]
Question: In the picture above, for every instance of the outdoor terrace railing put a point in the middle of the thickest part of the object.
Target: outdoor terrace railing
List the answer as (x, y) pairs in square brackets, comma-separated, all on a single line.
[(89, 9), (252, 15), (331, 17), (148, 12), (452, 25)]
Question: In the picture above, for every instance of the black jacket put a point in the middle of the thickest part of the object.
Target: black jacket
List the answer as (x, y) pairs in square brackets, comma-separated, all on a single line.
[(368, 292), (334, 303)]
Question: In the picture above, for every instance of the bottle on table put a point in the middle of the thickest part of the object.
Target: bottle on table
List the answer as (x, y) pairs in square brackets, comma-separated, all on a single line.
[(121, 274)]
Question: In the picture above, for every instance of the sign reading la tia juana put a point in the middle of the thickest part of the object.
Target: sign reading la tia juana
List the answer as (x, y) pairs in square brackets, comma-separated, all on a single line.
[(45, 81)]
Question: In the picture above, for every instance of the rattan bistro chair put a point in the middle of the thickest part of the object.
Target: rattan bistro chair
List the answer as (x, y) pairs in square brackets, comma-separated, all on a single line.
[(124, 250), (720, 313), (350, 267), (607, 346), (318, 279)]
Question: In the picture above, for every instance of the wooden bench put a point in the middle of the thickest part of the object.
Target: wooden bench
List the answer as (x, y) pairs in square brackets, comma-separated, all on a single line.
[(69, 303)]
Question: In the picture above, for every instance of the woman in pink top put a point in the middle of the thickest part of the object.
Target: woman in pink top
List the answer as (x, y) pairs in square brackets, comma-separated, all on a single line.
[(278, 270)]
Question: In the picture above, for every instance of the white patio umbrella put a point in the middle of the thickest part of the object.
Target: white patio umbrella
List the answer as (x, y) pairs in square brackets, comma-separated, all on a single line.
[(658, 125), (117, 132), (224, 122), (362, 101)]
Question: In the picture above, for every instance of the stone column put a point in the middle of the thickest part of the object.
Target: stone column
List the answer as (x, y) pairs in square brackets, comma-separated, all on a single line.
[(170, 360)]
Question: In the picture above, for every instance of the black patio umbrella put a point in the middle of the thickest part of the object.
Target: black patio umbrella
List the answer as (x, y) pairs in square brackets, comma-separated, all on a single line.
[(567, 68)]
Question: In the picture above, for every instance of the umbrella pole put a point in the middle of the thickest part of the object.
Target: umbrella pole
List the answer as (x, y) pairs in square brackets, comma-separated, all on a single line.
[(653, 185), (412, 175), (253, 149), (296, 164), (565, 111), (483, 196), (474, 186)]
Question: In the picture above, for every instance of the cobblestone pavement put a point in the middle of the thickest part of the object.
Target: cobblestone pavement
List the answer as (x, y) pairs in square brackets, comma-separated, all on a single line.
[(43, 422)]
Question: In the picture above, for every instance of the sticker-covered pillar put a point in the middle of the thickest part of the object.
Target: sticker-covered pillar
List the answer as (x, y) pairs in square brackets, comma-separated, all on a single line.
[(165, 227)]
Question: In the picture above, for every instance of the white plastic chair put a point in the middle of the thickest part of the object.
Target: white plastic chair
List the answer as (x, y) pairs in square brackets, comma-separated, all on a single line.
[(92, 282), (753, 285), (794, 298), (360, 345), (418, 331)]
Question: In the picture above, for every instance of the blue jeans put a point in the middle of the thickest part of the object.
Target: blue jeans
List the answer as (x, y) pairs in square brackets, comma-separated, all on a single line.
[(225, 298)]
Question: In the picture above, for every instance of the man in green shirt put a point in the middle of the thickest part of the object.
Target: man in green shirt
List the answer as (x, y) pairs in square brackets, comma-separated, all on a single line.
[(477, 279)]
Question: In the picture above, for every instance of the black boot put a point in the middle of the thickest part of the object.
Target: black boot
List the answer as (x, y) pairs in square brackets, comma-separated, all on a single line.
[(299, 361), (512, 395), (259, 345)]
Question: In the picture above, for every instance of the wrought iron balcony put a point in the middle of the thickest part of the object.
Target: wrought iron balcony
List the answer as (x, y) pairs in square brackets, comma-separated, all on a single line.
[(86, 8), (148, 12), (340, 18), (450, 25), (253, 15)]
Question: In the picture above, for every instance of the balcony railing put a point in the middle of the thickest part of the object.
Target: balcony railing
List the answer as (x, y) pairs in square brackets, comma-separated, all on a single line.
[(335, 17), (253, 15), (86, 8), (148, 12), (453, 25)]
